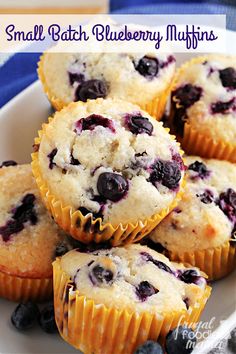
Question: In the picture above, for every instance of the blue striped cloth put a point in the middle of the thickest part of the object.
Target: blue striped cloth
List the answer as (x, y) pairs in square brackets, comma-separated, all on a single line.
[(20, 70), (227, 7)]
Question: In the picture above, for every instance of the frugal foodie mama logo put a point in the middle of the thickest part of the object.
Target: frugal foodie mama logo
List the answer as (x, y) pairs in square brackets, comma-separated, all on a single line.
[(202, 330)]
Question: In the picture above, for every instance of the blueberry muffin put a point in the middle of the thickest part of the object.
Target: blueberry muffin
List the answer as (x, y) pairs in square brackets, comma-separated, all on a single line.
[(201, 229), (126, 295), (106, 169), (204, 107), (144, 79), (28, 236)]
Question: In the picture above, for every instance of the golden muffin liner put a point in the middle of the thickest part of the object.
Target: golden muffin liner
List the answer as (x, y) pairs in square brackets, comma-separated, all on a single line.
[(215, 262), (20, 289), (155, 107), (85, 228), (98, 329), (194, 142)]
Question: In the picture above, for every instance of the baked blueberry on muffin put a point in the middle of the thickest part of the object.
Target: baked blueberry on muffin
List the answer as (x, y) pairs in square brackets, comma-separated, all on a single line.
[(143, 79), (28, 237), (106, 161), (134, 286), (204, 106), (201, 229)]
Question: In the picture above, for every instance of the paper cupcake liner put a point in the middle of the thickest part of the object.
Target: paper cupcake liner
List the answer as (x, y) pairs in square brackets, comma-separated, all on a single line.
[(215, 262), (24, 289), (87, 229), (155, 107), (194, 142), (98, 329)]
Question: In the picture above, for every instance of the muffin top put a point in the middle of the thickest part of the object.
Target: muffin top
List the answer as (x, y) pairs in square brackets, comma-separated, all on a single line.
[(206, 215), (109, 158), (135, 278), (28, 235), (205, 97), (137, 78)]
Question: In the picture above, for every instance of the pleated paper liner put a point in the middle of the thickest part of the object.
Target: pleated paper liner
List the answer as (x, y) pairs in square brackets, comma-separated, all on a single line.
[(87, 229), (194, 142), (215, 262), (98, 329), (155, 107), (24, 289)]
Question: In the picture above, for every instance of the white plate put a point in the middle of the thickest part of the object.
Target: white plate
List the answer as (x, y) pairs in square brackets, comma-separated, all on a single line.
[(20, 120)]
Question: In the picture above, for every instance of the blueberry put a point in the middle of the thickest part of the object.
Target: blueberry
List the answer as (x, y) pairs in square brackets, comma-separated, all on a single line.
[(222, 107), (24, 316), (92, 121), (99, 199), (178, 159), (165, 172), (99, 275), (8, 163), (139, 125), (183, 98), (25, 212), (181, 340), (232, 341), (227, 203), (90, 90), (148, 67), (51, 158), (228, 77), (159, 264), (112, 186), (189, 276), (200, 168), (187, 95), (61, 249), (11, 227), (75, 77), (149, 347), (206, 197), (162, 266), (74, 161), (145, 290), (170, 60), (47, 319)]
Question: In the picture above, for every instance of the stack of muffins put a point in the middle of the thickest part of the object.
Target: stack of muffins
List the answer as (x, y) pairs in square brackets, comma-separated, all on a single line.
[(111, 176)]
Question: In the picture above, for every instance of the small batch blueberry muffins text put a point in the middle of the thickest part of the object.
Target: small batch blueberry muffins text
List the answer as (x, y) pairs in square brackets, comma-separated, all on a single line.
[(130, 293), (203, 110), (28, 236), (107, 170), (201, 229), (144, 79)]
